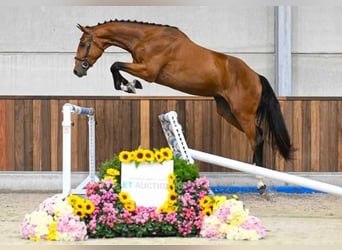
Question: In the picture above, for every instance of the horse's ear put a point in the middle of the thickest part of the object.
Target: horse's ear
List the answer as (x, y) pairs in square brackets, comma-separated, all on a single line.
[(81, 28)]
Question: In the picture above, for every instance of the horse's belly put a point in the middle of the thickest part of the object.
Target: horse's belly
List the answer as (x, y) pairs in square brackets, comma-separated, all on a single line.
[(191, 84)]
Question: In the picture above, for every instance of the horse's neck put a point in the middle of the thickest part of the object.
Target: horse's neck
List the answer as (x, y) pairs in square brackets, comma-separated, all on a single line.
[(125, 36)]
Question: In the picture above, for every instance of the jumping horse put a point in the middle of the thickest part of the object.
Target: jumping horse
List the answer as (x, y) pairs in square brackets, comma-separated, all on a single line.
[(165, 55)]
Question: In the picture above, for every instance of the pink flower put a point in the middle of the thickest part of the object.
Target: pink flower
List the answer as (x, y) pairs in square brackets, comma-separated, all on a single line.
[(253, 223)]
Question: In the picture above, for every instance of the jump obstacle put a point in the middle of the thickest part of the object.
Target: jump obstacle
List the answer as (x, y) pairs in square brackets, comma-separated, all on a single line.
[(175, 138), (68, 110)]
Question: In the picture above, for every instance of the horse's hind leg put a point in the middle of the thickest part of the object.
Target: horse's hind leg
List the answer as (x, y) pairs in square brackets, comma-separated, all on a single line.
[(258, 157), (258, 147), (223, 109)]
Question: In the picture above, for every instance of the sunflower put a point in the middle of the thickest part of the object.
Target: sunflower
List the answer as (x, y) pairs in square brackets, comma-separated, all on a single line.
[(148, 155), (139, 155), (167, 153), (168, 207), (73, 199), (79, 212), (173, 208), (159, 157), (161, 210), (129, 205), (206, 202), (172, 197), (207, 211), (124, 197), (125, 156), (89, 206), (171, 178), (171, 187)]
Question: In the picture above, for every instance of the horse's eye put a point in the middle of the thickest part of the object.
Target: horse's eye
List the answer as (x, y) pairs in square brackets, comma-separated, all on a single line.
[(82, 44), (85, 65)]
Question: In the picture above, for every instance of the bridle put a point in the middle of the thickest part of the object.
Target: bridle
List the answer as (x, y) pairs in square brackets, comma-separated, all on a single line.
[(84, 61)]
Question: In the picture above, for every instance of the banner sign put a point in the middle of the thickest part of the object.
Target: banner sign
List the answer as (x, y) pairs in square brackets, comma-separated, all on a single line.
[(147, 183)]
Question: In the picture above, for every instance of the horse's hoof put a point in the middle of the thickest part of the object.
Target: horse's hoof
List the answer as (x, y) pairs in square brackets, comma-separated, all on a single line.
[(262, 189), (130, 89), (137, 84)]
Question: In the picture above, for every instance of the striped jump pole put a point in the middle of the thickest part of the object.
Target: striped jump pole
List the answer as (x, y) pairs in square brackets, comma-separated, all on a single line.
[(68, 110), (174, 136)]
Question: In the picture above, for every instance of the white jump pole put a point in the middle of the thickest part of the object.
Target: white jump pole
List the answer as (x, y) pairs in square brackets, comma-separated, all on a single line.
[(69, 109), (169, 121), (272, 174)]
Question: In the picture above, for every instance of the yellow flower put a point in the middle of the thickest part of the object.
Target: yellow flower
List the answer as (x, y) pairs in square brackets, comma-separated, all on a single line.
[(207, 211), (73, 199), (112, 178), (171, 187), (79, 212), (167, 153), (206, 202), (112, 172), (218, 201), (171, 178), (148, 155), (139, 155), (172, 197), (124, 197), (161, 210), (129, 205), (89, 206), (167, 207), (172, 208), (52, 231), (237, 214), (159, 157), (125, 156)]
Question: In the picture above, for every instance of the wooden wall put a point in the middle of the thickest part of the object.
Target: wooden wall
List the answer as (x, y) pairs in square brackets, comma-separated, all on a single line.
[(31, 131)]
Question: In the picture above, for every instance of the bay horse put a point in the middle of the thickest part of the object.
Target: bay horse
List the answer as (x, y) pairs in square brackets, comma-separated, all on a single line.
[(165, 55)]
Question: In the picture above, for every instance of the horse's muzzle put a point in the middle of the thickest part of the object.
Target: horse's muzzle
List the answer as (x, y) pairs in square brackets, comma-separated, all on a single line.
[(80, 71)]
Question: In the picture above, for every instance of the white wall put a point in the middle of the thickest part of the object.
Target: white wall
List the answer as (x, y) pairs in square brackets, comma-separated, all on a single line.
[(37, 45), (317, 51)]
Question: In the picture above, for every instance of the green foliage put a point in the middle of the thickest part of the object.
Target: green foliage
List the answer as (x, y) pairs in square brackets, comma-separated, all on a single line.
[(185, 171), (113, 163)]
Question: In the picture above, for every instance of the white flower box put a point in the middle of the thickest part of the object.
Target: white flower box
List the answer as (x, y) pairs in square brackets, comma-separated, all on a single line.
[(146, 183)]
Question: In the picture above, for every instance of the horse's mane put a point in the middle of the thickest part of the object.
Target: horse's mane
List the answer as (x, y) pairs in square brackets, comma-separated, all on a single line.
[(137, 22)]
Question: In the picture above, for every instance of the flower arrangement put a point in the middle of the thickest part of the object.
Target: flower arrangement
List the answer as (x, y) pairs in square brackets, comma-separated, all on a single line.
[(58, 218), (117, 215), (228, 218), (108, 211)]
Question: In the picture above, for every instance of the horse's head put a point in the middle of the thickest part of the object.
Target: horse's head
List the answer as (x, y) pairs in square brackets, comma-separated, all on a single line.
[(88, 51)]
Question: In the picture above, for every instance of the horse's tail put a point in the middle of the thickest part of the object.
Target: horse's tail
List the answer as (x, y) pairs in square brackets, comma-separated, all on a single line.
[(269, 116)]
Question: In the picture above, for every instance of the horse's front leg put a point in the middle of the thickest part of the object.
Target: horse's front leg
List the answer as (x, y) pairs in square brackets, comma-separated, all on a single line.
[(121, 83)]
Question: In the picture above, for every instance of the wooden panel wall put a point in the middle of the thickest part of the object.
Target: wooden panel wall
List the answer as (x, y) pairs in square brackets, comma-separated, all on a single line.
[(31, 131)]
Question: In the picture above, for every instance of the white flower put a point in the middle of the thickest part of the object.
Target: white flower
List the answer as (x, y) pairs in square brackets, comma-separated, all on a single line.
[(41, 220), (62, 207), (238, 233)]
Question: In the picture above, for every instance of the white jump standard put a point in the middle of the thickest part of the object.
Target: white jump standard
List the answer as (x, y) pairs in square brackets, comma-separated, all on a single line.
[(68, 110), (173, 137)]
